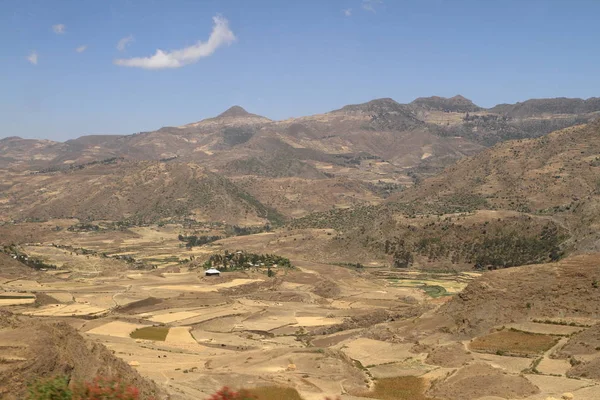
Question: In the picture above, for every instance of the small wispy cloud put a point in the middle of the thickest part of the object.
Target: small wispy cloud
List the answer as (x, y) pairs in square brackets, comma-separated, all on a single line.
[(81, 48), (33, 57), (221, 35), (123, 43), (371, 5), (59, 29), (347, 12)]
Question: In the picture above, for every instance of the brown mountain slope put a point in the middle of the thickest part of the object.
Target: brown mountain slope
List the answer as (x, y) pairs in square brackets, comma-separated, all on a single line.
[(558, 170), (544, 291), (139, 192), (34, 349), (296, 197)]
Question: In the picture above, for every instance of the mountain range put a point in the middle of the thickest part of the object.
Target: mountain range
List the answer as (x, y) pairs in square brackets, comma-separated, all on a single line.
[(243, 168)]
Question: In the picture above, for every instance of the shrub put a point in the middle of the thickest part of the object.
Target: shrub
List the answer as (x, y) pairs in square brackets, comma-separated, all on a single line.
[(102, 388), (56, 388)]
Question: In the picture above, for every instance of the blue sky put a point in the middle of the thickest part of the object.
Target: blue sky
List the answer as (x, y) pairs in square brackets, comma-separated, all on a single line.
[(278, 58)]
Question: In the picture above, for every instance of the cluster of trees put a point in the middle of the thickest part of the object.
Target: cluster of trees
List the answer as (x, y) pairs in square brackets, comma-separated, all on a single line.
[(83, 227), (230, 230), (239, 260), (385, 189), (25, 259), (234, 230), (194, 240)]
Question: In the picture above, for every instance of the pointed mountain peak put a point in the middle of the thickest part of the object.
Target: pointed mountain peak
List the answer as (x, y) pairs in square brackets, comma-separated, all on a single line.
[(234, 112), (233, 116)]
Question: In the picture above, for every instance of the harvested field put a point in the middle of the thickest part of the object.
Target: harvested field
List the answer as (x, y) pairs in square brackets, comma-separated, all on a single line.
[(546, 329), (403, 368), (158, 333), (15, 299), (376, 352), (511, 342), (115, 328), (69, 310), (317, 321), (180, 335), (549, 366), (398, 388), (514, 365), (136, 306), (172, 317)]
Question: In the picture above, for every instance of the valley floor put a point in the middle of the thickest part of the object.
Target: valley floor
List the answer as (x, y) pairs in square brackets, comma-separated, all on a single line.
[(323, 329)]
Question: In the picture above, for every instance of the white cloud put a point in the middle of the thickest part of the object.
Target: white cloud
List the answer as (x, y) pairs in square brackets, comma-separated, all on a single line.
[(123, 43), (59, 29), (220, 35), (81, 48), (33, 57), (370, 5), (347, 12)]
